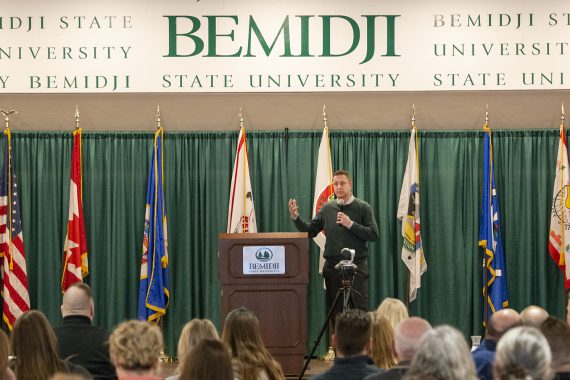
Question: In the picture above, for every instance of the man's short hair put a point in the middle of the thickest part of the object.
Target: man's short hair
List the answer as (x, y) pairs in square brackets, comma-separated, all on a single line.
[(557, 333), (352, 331), (343, 172), (83, 286)]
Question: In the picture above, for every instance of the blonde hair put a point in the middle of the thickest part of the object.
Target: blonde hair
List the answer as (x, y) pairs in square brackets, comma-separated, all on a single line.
[(135, 346), (382, 338), (192, 333), (393, 310)]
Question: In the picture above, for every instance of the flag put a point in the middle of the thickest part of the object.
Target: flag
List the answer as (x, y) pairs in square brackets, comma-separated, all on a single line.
[(153, 291), (75, 264), (14, 275), (241, 212), (324, 191), (409, 214), (495, 291), (559, 240)]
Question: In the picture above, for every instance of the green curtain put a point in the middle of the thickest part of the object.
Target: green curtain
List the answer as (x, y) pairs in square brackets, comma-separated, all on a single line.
[(198, 167)]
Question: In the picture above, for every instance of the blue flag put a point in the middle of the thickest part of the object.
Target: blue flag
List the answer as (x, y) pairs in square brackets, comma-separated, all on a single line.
[(153, 291), (495, 293)]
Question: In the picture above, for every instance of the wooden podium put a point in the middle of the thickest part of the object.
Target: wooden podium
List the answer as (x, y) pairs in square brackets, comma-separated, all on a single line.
[(268, 273)]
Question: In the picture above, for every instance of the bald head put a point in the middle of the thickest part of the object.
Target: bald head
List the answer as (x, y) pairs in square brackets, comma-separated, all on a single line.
[(533, 316), (501, 322), (78, 300), (407, 336)]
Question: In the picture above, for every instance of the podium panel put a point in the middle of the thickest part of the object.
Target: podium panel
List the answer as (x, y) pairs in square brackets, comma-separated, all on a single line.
[(277, 295)]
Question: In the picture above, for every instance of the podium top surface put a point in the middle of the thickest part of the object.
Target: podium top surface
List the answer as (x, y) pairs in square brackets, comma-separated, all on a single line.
[(265, 235)]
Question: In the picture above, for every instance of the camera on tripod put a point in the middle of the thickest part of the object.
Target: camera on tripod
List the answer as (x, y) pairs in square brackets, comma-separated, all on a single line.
[(347, 259)]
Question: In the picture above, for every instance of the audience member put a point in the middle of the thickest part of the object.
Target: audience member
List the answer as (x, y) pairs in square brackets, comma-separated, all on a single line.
[(393, 310), (35, 347), (533, 316), (5, 371), (250, 358), (407, 337), (381, 350), (484, 355), (352, 339), (557, 333), (442, 354), (209, 359), (523, 353), (135, 350), (78, 340), (65, 376), (193, 333)]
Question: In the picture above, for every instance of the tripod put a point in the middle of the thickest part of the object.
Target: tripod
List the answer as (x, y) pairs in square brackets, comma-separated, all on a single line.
[(348, 269)]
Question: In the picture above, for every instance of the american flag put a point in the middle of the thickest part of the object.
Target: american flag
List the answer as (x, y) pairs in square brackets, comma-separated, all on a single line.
[(14, 276)]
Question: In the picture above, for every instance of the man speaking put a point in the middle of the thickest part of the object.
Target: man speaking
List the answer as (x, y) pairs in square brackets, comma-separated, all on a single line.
[(347, 222)]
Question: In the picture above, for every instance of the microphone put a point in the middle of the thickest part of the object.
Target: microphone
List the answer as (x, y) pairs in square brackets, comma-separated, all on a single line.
[(340, 203)]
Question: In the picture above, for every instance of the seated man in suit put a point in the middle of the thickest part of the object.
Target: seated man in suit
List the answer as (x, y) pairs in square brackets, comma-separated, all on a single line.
[(78, 340), (352, 339)]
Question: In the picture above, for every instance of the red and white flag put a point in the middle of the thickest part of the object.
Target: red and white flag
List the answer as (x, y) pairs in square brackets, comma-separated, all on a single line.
[(14, 274), (324, 191), (75, 264), (241, 212), (559, 240)]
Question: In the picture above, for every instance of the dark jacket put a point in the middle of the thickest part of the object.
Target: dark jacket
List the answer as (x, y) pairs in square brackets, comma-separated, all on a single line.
[(88, 346)]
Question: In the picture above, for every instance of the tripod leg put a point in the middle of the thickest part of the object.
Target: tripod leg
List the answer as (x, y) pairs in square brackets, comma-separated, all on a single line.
[(323, 329)]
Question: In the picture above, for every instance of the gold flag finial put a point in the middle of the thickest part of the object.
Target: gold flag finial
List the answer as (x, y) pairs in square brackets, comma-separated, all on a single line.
[(76, 117), (241, 116), (7, 114), (158, 121), (486, 115), (413, 115), (325, 116)]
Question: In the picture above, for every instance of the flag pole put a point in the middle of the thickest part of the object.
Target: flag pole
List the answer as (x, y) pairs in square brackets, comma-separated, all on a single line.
[(241, 127), (7, 114), (564, 292), (485, 269), (326, 128)]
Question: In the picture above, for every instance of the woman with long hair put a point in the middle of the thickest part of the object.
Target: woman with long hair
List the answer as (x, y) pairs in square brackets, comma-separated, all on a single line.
[(193, 333), (250, 358), (209, 359), (393, 310), (35, 347), (382, 337)]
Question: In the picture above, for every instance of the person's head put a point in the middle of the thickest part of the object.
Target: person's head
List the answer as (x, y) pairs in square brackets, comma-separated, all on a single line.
[(209, 359), (193, 332), (241, 333), (557, 333), (134, 347), (533, 316), (501, 322), (352, 332), (408, 335), (342, 184), (393, 310), (522, 353), (381, 350), (34, 345), (4, 351), (78, 300), (442, 354)]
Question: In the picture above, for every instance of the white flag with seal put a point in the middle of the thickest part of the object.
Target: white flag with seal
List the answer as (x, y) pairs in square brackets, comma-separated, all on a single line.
[(409, 214)]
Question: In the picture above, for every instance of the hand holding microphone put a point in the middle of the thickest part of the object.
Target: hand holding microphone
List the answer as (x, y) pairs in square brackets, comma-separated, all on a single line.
[(341, 217)]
